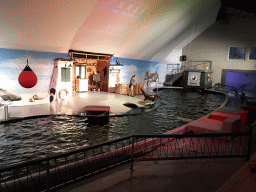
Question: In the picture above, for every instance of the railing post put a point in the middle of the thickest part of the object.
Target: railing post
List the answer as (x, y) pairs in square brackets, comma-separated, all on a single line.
[(249, 143), (132, 155), (48, 175), (6, 112), (14, 180), (0, 182)]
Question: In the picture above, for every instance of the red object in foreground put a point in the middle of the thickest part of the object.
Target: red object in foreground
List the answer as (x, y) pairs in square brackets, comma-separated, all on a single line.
[(96, 111), (253, 167), (27, 77), (96, 108), (208, 77)]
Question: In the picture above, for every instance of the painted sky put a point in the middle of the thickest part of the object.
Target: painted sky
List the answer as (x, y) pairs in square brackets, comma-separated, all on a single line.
[(12, 63), (139, 68)]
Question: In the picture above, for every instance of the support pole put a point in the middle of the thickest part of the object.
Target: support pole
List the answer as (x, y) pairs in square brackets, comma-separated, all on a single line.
[(6, 112), (48, 175), (132, 156), (249, 143)]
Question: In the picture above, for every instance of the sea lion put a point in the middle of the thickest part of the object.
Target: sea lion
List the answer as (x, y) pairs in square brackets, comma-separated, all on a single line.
[(147, 96)]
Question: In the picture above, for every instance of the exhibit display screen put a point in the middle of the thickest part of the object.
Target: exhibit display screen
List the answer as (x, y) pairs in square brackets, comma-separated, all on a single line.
[(194, 78)]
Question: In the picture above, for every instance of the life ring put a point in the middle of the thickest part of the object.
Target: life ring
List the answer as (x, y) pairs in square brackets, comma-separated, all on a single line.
[(63, 93)]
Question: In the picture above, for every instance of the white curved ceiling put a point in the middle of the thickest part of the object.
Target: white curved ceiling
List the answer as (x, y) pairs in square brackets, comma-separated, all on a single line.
[(139, 29)]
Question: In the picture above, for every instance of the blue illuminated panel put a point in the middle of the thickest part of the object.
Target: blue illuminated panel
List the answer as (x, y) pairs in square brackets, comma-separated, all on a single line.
[(242, 82)]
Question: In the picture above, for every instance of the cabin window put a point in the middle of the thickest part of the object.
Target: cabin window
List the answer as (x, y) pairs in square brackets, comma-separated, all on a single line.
[(65, 74), (237, 53), (80, 72)]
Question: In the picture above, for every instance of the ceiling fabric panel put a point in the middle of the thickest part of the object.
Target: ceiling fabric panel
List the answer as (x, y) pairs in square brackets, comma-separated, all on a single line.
[(142, 29)]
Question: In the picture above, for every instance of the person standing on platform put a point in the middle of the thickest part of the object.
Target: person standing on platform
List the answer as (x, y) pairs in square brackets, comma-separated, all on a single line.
[(132, 85)]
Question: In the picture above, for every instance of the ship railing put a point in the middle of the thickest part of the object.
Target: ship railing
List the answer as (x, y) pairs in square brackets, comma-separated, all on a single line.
[(56, 170), (189, 65), (198, 65), (175, 71)]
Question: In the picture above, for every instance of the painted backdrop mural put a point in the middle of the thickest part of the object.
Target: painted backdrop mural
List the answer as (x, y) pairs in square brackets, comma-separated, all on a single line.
[(12, 62), (139, 68)]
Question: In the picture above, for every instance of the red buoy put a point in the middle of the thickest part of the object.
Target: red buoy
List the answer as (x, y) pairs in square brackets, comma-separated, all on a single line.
[(208, 77), (27, 77)]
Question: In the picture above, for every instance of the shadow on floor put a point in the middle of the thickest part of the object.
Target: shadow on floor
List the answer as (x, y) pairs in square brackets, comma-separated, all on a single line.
[(183, 175)]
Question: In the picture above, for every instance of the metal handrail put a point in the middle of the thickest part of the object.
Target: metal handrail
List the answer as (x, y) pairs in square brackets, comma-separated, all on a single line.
[(57, 156), (172, 69), (206, 62), (179, 136), (103, 160)]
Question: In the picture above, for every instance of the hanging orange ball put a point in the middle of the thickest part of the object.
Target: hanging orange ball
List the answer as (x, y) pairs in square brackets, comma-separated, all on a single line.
[(27, 78)]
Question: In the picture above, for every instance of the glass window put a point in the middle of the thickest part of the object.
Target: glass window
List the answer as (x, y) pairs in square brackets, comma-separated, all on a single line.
[(80, 72), (77, 71), (252, 53), (83, 72), (237, 53), (65, 74)]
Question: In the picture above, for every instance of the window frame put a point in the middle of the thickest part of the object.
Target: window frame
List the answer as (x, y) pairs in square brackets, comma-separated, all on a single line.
[(80, 71), (254, 53), (64, 76), (237, 50)]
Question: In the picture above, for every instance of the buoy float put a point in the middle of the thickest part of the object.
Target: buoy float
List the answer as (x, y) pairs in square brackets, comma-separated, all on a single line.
[(63, 93), (208, 77), (27, 77)]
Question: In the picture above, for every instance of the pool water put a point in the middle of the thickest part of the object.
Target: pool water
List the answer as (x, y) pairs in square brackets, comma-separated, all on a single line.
[(31, 138)]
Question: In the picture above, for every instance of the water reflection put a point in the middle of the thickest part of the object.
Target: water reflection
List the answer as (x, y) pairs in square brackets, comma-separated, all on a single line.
[(97, 130), (30, 138), (94, 121)]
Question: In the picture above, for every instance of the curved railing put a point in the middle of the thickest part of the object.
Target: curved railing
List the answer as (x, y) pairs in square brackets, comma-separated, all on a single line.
[(56, 170)]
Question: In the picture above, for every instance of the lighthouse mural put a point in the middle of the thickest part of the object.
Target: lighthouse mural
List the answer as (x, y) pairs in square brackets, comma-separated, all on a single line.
[(27, 77)]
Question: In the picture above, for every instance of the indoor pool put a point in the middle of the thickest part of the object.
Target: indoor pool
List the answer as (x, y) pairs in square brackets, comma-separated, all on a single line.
[(31, 138)]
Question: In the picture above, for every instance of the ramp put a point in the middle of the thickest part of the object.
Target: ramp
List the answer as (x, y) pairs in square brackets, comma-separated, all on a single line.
[(173, 79)]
